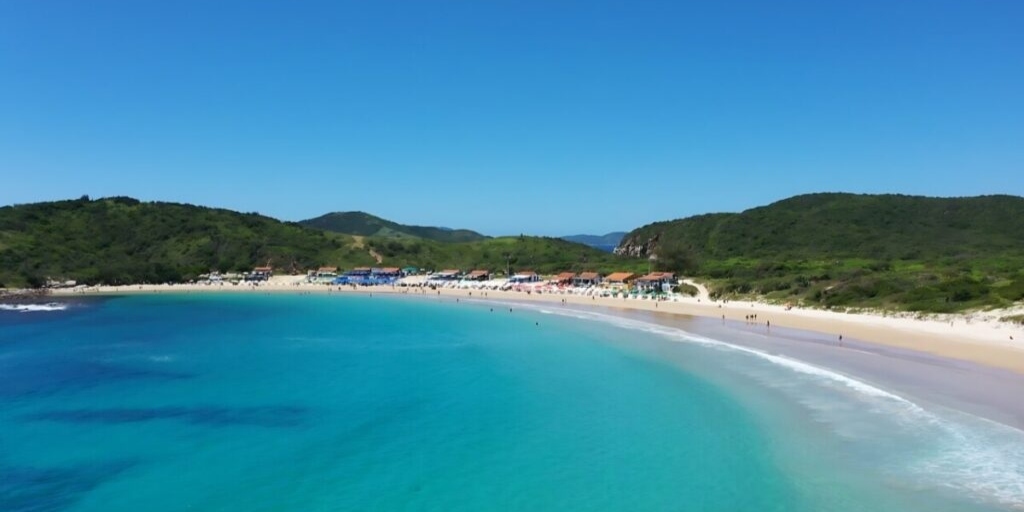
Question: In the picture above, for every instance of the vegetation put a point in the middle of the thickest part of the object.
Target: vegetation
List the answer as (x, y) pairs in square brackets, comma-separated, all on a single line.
[(121, 240), (845, 250), (364, 224), (686, 289), (826, 250), (540, 254)]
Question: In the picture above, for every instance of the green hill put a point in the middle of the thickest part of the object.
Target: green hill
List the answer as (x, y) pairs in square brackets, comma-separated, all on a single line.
[(540, 254), (364, 224), (122, 240), (921, 253), (848, 225)]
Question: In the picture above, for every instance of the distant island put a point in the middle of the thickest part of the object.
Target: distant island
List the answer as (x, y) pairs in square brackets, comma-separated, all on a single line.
[(604, 242), (819, 250)]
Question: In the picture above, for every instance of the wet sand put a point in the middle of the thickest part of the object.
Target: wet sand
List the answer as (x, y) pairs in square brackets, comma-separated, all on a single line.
[(980, 390)]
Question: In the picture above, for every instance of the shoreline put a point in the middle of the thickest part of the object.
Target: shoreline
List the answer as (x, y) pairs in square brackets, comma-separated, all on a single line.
[(957, 396), (980, 390), (985, 341)]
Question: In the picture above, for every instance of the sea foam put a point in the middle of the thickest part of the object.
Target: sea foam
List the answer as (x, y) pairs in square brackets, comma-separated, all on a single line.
[(962, 452), (31, 308)]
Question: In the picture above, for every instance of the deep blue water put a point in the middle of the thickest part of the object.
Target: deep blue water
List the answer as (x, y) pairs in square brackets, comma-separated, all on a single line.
[(307, 403)]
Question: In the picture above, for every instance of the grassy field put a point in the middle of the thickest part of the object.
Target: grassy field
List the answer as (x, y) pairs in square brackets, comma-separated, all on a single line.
[(943, 286)]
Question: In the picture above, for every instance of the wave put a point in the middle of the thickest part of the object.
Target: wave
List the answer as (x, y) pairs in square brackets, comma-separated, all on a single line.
[(31, 308), (955, 450)]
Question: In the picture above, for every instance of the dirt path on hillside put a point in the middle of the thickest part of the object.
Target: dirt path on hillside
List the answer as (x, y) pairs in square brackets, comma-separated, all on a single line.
[(359, 242), (702, 291)]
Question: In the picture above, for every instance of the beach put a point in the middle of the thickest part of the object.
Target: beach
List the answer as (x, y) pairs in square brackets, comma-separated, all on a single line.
[(977, 338)]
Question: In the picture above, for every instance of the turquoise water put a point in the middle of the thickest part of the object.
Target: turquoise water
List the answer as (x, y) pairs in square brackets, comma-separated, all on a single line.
[(351, 403)]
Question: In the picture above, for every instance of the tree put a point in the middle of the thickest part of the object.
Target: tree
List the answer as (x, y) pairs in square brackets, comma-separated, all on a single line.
[(676, 257)]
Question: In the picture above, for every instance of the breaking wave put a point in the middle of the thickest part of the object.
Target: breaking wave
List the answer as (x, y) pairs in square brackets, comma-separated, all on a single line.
[(32, 308), (947, 449)]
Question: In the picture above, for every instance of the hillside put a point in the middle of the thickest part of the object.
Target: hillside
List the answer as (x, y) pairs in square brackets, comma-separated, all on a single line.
[(604, 242), (122, 240), (540, 254), (364, 224), (849, 226), (918, 253)]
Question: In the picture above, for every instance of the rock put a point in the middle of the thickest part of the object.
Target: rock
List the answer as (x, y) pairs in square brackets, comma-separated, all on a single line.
[(635, 248)]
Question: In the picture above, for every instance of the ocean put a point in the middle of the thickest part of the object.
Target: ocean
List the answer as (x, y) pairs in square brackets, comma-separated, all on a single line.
[(251, 402)]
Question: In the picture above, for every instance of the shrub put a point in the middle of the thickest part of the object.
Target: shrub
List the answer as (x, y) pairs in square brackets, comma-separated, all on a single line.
[(686, 289)]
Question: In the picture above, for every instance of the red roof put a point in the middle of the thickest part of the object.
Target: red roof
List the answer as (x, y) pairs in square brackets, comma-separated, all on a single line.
[(657, 276), (589, 276), (263, 269), (619, 276), (565, 276)]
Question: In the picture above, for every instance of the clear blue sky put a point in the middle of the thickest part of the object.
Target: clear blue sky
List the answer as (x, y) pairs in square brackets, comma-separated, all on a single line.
[(506, 117)]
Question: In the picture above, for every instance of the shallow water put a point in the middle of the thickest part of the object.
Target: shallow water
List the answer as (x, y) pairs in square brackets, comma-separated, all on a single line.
[(351, 403)]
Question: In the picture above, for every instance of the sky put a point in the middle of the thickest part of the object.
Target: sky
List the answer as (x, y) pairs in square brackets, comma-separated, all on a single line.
[(548, 118)]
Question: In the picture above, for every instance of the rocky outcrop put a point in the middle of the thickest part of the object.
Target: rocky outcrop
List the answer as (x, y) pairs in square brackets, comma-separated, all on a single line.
[(637, 247)]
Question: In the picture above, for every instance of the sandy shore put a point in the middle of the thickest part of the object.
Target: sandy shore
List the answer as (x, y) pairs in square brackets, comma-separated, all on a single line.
[(975, 338)]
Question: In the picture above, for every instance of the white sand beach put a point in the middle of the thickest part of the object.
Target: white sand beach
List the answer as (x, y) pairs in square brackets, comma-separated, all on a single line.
[(976, 337)]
